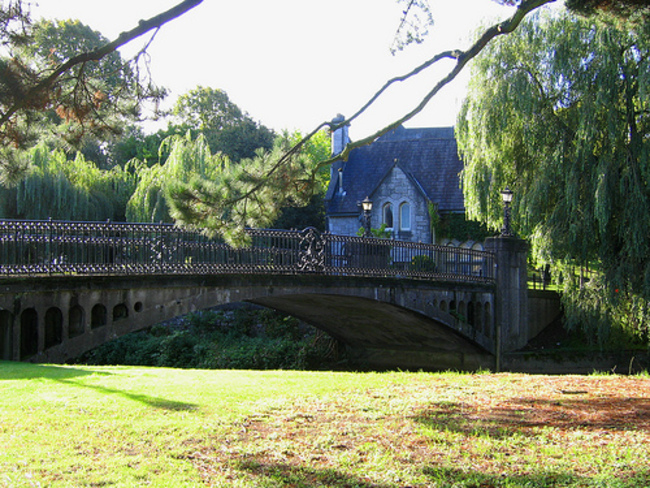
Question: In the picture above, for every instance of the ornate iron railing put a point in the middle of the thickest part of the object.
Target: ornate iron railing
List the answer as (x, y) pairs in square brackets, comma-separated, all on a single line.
[(106, 248)]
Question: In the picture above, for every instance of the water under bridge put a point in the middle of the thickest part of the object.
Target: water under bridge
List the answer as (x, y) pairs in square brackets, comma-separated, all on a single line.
[(67, 287)]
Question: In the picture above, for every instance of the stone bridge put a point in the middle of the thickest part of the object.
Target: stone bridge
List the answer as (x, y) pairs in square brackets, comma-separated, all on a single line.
[(66, 287)]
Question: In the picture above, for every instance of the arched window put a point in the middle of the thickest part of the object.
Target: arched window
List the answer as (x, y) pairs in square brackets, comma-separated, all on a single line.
[(98, 316), (76, 318), (388, 215), (53, 327), (405, 216)]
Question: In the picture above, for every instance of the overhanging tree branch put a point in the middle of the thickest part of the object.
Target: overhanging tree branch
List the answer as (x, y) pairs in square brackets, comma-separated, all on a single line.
[(461, 57), (143, 27)]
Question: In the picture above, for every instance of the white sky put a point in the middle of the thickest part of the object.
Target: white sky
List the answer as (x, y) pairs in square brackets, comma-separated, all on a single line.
[(292, 64)]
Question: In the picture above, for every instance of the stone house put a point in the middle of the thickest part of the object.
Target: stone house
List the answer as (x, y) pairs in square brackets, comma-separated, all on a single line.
[(410, 175)]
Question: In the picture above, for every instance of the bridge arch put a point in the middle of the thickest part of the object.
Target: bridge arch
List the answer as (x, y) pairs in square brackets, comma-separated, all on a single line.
[(384, 334), (370, 315)]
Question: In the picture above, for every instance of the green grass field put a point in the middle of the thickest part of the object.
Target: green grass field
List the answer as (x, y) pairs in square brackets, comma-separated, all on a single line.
[(133, 426)]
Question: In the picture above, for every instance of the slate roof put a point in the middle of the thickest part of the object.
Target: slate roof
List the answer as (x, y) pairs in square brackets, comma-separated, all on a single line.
[(429, 156)]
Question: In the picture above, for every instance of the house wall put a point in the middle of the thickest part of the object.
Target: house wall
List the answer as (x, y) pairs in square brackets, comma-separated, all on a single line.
[(345, 226), (397, 189)]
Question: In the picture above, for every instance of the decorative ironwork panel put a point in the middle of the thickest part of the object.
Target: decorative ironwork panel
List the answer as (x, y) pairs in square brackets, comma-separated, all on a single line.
[(90, 248), (312, 252)]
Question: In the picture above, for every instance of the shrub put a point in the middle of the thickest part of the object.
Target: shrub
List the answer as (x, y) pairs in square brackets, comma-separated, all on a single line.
[(245, 338), (178, 350), (139, 348), (423, 263)]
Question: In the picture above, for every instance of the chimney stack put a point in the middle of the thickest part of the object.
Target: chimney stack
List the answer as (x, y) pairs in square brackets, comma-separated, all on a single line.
[(340, 137)]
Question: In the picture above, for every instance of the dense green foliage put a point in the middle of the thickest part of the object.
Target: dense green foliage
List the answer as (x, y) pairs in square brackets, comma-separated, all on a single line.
[(85, 112), (317, 148), (63, 189), (147, 171), (630, 10), (66, 69), (458, 226), (226, 128), (252, 193), (239, 339), (169, 190), (559, 112), (187, 159)]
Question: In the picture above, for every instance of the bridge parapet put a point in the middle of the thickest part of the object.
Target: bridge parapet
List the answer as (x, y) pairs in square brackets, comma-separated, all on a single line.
[(104, 248)]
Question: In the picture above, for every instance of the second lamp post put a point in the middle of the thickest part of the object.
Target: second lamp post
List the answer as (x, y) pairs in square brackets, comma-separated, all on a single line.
[(506, 196), (366, 204)]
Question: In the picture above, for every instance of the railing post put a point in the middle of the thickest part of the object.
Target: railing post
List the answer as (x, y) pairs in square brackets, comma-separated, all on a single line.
[(511, 294)]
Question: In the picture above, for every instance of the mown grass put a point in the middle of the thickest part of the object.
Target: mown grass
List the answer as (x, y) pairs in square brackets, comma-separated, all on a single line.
[(135, 426)]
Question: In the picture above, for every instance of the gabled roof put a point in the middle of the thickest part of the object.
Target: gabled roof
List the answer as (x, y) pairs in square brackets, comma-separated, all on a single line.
[(428, 156)]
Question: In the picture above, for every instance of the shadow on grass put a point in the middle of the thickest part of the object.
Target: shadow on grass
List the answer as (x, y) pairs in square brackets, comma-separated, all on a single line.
[(27, 371), (281, 475), (524, 416), (286, 475), (152, 401), (439, 476), (10, 370)]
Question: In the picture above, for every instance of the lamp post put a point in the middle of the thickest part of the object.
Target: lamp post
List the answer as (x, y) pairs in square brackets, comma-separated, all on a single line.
[(506, 197), (366, 204)]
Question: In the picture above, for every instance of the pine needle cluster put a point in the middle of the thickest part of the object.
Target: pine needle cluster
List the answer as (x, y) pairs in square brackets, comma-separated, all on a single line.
[(249, 194)]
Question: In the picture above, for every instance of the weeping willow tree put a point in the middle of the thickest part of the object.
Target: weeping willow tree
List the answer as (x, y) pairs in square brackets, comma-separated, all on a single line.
[(560, 113), (63, 189), (188, 158)]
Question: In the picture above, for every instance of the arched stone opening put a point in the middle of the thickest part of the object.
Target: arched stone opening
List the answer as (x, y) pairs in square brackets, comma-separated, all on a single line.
[(98, 316), (53, 327), (76, 317), (6, 335), (120, 311), (478, 316), (28, 333), (471, 318), (462, 311), (487, 320)]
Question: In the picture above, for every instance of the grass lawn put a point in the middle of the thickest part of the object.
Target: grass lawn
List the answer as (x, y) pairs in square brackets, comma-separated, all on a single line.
[(133, 426)]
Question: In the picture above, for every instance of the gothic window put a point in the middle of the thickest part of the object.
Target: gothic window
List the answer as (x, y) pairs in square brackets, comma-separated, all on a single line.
[(405, 216), (388, 215)]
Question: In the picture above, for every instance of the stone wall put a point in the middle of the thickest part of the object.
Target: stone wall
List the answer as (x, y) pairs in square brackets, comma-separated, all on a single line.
[(544, 307), (513, 326), (344, 226), (397, 189), (575, 362)]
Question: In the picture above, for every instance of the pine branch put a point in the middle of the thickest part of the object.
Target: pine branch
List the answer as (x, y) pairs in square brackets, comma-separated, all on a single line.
[(143, 27), (461, 57)]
